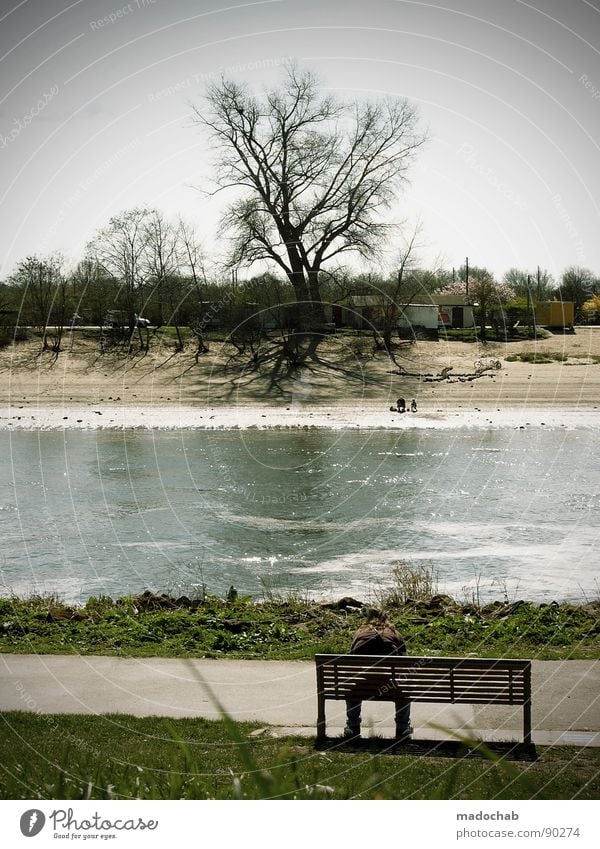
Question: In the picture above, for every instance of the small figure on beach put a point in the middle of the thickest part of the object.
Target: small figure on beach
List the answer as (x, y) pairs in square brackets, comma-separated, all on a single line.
[(377, 636), (413, 406), (401, 405)]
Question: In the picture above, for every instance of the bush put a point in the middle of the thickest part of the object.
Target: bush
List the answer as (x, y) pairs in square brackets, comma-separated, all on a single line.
[(414, 583)]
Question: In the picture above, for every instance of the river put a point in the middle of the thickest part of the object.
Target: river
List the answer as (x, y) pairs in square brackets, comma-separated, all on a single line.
[(496, 513)]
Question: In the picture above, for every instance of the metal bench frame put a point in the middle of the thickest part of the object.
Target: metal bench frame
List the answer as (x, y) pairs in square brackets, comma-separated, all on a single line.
[(451, 680)]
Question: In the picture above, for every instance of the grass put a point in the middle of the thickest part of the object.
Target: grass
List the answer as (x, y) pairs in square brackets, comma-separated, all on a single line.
[(504, 334), (537, 357), (123, 757), (293, 628)]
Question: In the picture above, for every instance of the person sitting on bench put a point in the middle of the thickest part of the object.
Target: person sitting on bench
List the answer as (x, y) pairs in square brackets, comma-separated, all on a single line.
[(377, 636)]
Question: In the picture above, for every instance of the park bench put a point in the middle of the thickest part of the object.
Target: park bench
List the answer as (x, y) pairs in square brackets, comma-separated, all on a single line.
[(483, 681)]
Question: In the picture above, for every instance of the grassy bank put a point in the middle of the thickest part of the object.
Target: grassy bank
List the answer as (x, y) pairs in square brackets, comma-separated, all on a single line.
[(290, 629), (78, 757)]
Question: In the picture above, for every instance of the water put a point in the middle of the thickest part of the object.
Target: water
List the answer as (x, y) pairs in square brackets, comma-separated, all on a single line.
[(323, 512)]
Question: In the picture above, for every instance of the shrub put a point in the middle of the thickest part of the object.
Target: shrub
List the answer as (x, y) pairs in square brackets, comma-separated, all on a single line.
[(409, 582)]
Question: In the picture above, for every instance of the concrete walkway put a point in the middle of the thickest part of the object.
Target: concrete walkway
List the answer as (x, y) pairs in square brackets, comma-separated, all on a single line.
[(566, 696)]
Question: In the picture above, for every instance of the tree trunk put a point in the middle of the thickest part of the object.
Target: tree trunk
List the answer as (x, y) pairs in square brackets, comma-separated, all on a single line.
[(318, 313), (310, 309), (483, 335), (180, 346)]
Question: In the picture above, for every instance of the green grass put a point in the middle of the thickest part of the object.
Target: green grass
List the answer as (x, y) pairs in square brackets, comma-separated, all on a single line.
[(504, 334), (162, 626), (122, 757)]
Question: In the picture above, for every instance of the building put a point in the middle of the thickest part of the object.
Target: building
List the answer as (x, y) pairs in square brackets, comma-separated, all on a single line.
[(454, 312), (555, 314), (368, 311)]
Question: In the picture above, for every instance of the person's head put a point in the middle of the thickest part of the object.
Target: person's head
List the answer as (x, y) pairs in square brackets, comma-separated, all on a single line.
[(374, 616)]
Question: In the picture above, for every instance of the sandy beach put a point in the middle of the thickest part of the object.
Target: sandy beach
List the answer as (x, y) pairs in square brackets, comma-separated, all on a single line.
[(341, 389)]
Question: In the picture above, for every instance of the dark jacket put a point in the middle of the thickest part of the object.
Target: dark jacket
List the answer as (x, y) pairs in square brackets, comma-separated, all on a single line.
[(380, 639)]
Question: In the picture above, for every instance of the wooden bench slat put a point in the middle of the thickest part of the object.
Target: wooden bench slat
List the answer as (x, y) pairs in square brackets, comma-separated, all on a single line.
[(419, 688), (422, 662), (401, 680), (389, 681)]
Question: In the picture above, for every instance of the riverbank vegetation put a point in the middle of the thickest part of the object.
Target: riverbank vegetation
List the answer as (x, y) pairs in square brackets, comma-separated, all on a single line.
[(293, 628), (124, 757)]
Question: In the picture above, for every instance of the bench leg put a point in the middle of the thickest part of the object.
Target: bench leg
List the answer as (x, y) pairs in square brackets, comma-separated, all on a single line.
[(527, 707), (527, 722), (321, 722)]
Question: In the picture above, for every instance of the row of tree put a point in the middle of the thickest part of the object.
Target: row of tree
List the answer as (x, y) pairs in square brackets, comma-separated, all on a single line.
[(143, 264), (312, 177)]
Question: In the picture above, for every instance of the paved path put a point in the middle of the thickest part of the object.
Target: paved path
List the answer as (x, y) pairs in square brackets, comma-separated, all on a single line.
[(566, 696)]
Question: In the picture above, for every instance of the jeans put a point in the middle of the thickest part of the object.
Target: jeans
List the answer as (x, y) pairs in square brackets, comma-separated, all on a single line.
[(402, 716)]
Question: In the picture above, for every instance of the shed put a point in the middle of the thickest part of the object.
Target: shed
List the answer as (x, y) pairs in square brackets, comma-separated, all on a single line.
[(455, 312)]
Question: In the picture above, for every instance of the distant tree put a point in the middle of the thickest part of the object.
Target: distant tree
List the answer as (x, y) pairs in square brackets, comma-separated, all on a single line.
[(591, 308), (94, 290), (536, 286), (316, 174), (120, 249), (517, 280), (164, 257), (271, 297), (44, 288), (484, 292), (409, 284), (193, 267), (10, 299), (544, 285), (576, 284), (192, 262)]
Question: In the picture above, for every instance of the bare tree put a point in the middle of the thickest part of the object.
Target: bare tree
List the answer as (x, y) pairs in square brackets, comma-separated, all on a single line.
[(193, 263), (316, 175), (165, 253), (517, 279), (408, 283), (576, 284), (44, 289), (93, 289), (120, 249), (535, 285)]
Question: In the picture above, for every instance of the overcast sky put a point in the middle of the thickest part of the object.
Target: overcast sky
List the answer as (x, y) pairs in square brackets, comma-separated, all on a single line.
[(95, 113)]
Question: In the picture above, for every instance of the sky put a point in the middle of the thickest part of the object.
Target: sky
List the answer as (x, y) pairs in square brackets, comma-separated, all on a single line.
[(96, 101)]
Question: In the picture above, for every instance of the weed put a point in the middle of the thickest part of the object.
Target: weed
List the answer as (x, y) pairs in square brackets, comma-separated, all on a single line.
[(409, 583), (537, 357)]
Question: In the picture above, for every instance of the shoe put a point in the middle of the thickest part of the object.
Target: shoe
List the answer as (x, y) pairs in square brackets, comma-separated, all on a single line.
[(404, 735), (351, 733)]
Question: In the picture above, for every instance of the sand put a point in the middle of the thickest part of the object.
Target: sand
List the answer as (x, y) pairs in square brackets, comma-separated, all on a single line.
[(344, 387)]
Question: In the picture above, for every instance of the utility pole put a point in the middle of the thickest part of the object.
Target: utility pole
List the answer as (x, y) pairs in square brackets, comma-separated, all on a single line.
[(533, 325), (467, 277)]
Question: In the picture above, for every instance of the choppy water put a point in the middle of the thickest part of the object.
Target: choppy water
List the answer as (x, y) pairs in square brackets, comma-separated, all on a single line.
[(84, 513)]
